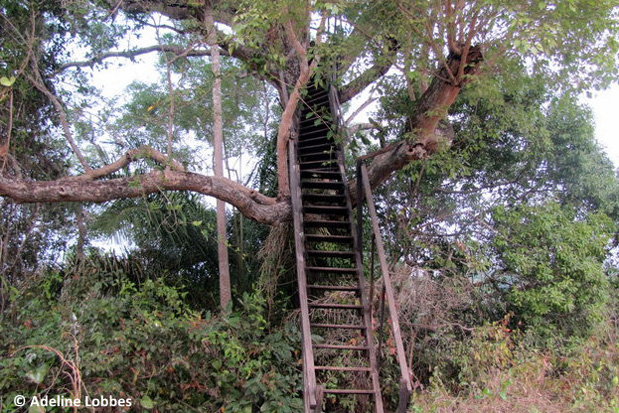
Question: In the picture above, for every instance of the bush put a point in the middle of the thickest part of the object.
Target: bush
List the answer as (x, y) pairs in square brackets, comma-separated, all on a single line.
[(142, 342), (495, 370)]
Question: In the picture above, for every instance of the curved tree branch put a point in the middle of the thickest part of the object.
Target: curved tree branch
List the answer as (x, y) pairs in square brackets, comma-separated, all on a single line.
[(143, 152), (249, 202), (422, 128), (380, 67), (356, 86)]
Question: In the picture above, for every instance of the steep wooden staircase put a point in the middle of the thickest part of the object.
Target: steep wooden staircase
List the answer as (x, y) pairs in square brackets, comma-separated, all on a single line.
[(340, 360)]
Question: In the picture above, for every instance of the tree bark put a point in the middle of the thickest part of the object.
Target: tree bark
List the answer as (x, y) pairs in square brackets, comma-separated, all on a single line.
[(250, 203), (422, 138), (225, 290)]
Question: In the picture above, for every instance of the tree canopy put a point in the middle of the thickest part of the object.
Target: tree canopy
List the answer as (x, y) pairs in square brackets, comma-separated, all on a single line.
[(427, 51)]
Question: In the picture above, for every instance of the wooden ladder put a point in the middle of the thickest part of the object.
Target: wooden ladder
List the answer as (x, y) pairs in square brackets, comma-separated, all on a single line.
[(339, 355)]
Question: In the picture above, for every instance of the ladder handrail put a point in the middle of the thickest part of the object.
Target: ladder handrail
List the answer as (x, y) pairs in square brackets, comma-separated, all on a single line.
[(365, 191), (309, 372)]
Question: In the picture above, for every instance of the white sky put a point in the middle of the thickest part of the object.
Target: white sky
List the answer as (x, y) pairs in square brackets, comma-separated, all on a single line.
[(605, 107)]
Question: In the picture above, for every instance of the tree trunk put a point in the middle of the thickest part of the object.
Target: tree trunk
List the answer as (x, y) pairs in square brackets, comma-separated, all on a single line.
[(422, 137), (225, 291)]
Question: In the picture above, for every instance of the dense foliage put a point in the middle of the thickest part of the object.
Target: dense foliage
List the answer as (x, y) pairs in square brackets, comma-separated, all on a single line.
[(102, 334)]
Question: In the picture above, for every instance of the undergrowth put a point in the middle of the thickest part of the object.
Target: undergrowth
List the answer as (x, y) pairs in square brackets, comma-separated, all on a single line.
[(497, 370), (108, 336)]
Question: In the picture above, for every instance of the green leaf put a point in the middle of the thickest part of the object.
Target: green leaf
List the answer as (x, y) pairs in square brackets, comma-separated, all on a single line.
[(36, 409), (7, 81), (38, 375), (147, 402)]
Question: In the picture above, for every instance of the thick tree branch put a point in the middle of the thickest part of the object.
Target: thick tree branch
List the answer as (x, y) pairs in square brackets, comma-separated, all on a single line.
[(356, 86), (423, 136), (283, 132), (249, 202), (144, 152)]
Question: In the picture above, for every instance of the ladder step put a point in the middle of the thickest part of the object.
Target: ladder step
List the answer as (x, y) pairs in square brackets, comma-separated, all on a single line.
[(338, 368), (313, 141), (318, 156), (339, 326), (317, 148), (341, 347), (320, 174), (325, 209), (316, 105), (319, 223), (315, 108), (338, 239), (312, 120), (315, 131), (333, 287), (336, 306), (349, 391), (312, 99), (331, 164), (321, 184), (331, 254), (320, 199), (332, 270)]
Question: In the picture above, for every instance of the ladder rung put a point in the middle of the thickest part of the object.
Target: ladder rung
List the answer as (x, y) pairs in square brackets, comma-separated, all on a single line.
[(333, 287), (322, 184), (325, 147), (338, 368), (349, 391), (333, 270), (343, 326), (325, 223), (324, 199), (314, 132), (341, 347), (336, 306), (331, 254), (325, 209), (314, 104), (318, 174), (312, 119), (303, 143), (339, 239), (331, 167), (320, 96), (330, 154), (313, 164)]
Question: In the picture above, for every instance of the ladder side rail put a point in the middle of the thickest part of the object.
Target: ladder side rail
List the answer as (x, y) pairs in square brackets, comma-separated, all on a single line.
[(309, 372), (366, 302), (388, 286), (358, 243)]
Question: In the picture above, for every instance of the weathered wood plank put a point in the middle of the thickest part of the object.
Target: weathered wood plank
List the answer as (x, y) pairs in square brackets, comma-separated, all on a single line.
[(388, 286)]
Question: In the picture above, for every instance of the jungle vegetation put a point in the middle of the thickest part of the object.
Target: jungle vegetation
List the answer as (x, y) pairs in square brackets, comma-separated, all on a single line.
[(499, 209)]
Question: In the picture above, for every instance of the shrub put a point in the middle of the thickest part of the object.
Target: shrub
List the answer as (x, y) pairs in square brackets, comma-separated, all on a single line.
[(142, 342)]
